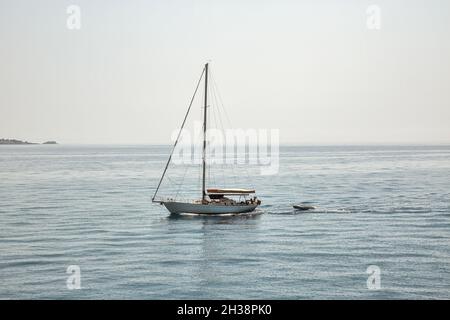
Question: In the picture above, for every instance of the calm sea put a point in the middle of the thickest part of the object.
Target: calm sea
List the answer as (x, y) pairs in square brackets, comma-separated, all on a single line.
[(90, 206)]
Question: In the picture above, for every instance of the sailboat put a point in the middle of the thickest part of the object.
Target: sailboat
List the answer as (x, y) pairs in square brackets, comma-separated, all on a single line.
[(213, 200)]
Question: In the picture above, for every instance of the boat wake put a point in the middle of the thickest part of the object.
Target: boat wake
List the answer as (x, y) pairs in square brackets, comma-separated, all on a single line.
[(331, 210), (315, 210)]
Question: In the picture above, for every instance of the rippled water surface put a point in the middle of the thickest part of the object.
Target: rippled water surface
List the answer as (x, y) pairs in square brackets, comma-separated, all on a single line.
[(91, 206)]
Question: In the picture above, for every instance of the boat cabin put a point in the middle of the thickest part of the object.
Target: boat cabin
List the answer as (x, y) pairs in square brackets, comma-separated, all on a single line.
[(223, 196)]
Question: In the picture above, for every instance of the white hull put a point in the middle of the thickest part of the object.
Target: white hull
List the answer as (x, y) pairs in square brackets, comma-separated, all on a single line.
[(211, 208)]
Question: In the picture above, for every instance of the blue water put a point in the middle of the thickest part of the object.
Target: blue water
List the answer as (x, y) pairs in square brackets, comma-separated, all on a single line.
[(90, 206)]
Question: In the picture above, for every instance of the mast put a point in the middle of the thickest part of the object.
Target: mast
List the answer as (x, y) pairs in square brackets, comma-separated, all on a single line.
[(204, 133)]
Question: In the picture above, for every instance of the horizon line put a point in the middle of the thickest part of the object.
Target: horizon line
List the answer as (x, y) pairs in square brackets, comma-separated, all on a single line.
[(285, 144)]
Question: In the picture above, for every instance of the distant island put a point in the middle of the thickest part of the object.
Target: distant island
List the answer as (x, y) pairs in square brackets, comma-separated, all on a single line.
[(15, 142)]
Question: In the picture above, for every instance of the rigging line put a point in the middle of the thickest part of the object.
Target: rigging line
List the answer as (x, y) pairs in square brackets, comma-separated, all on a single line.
[(214, 111), (217, 110), (221, 101), (229, 124), (171, 180), (179, 133), (218, 104), (222, 127), (179, 185), (188, 166), (199, 176), (200, 164), (194, 159), (217, 127), (208, 143)]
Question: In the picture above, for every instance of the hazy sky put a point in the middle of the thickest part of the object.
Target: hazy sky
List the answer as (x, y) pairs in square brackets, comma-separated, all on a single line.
[(312, 69)]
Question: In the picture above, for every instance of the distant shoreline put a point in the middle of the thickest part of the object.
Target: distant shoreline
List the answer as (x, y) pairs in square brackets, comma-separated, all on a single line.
[(20, 142)]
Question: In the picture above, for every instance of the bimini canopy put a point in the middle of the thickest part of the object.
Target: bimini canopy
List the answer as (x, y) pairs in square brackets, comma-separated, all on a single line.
[(230, 191)]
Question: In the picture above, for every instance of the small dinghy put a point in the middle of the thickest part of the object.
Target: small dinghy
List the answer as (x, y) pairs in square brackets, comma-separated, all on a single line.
[(303, 207)]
